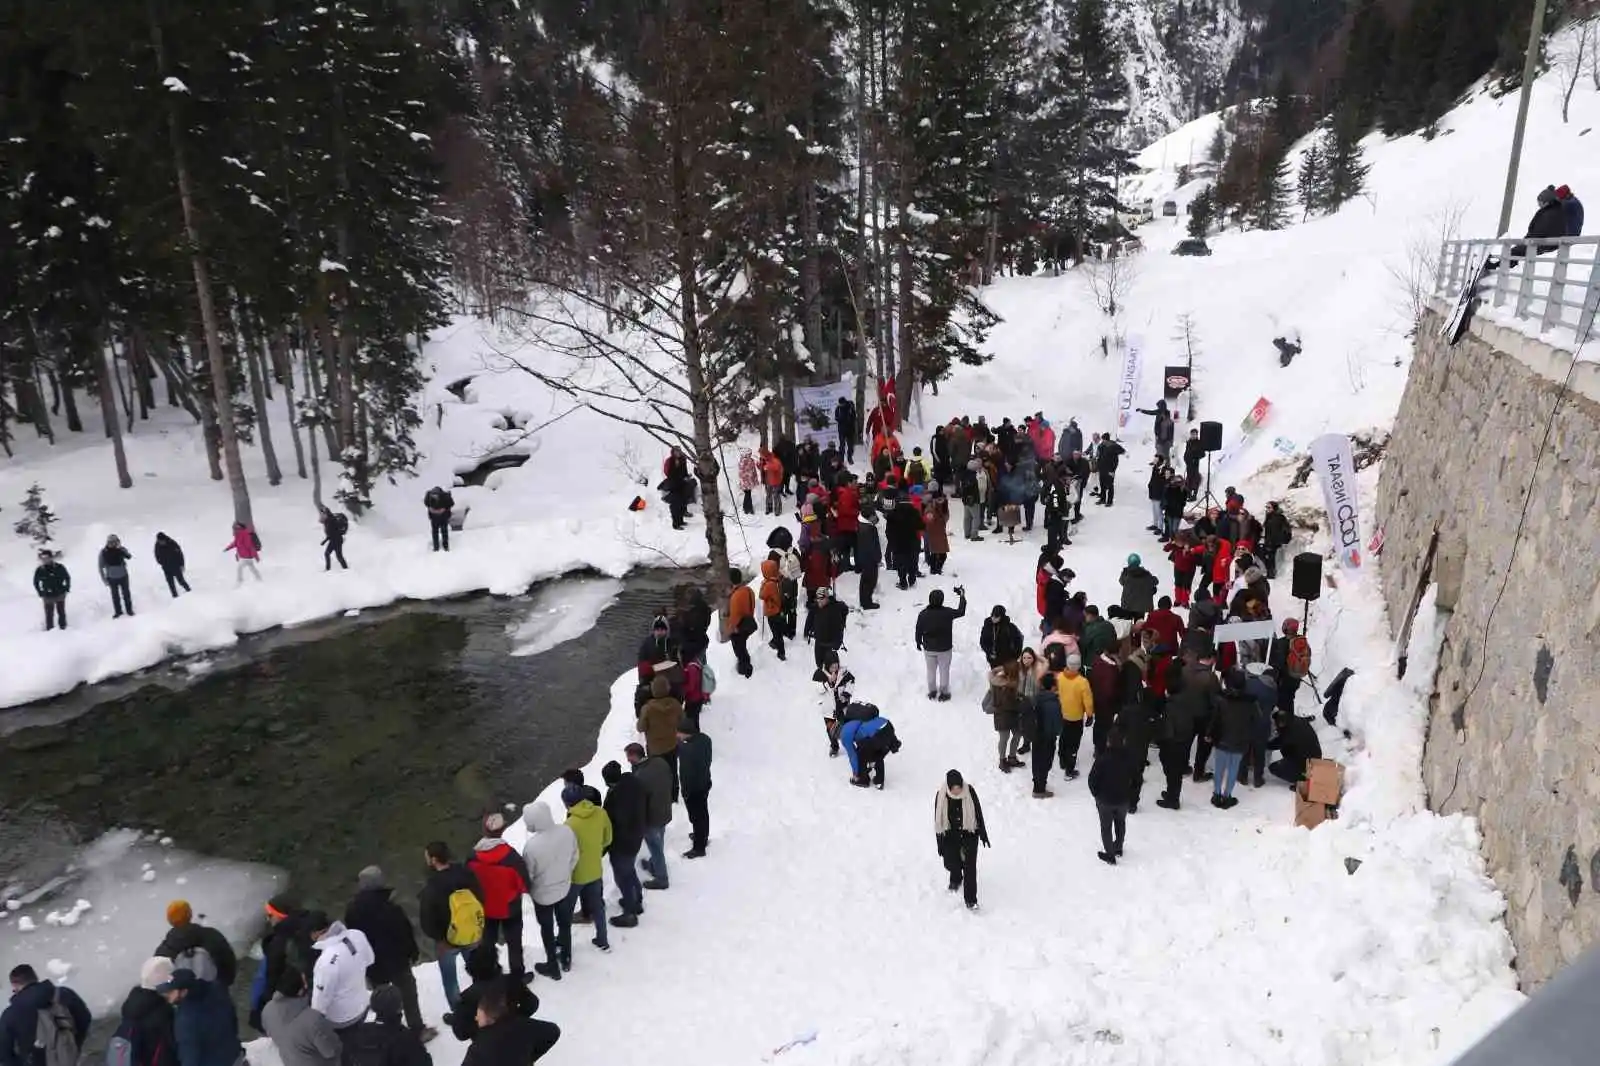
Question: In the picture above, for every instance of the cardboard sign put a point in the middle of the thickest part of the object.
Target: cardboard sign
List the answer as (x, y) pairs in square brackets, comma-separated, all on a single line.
[(1308, 813), (1324, 781)]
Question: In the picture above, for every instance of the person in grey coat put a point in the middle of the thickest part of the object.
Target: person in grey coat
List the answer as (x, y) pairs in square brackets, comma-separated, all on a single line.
[(303, 1037), (1071, 441), (655, 781), (114, 573), (1138, 589)]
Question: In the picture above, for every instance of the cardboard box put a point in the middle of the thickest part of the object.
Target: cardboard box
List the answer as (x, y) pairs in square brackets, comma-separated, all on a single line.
[(1324, 781), (1307, 812)]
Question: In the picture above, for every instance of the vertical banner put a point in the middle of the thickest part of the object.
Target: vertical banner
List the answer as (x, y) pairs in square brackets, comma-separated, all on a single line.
[(1330, 454), (813, 411), (1259, 413), (1128, 383)]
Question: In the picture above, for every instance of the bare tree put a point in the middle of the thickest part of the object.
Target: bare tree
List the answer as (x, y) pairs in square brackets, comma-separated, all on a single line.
[(1415, 273), (1189, 337), (1568, 53), (1110, 279)]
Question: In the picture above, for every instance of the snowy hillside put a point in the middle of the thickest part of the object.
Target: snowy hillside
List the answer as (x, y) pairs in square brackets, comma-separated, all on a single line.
[(1175, 73)]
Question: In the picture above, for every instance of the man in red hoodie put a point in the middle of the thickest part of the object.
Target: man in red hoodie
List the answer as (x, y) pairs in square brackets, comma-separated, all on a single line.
[(503, 875), (846, 520), (1166, 625)]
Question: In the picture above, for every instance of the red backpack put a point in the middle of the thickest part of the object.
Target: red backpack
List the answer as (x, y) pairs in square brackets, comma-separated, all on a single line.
[(1298, 660)]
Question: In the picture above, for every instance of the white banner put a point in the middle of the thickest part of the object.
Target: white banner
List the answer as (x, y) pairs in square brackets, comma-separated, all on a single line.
[(1128, 383), (1330, 454), (813, 411), (1233, 632), (1252, 423)]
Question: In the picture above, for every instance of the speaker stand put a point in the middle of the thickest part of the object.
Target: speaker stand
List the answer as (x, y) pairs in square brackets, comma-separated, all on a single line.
[(1209, 500)]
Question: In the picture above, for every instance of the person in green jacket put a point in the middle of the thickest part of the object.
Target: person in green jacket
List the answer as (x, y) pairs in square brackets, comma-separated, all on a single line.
[(1099, 635), (592, 826)]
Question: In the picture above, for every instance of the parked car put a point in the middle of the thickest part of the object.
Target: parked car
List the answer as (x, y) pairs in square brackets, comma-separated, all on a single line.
[(1192, 246)]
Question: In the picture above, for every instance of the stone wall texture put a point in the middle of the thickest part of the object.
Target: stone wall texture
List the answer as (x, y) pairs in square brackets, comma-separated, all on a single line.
[(1514, 726)]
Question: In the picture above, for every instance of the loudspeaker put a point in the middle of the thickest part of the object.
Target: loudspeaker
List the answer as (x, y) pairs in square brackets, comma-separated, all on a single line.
[(1307, 581), (1211, 436)]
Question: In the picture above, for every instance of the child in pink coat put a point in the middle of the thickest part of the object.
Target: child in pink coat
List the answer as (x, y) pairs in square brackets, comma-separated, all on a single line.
[(246, 548)]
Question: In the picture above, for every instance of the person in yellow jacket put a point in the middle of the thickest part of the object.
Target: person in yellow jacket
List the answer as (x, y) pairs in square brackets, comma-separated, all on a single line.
[(592, 826), (1077, 711)]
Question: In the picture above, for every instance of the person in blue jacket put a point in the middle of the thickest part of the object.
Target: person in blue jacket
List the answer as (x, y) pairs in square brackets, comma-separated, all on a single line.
[(19, 1024), (205, 1026), (866, 744)]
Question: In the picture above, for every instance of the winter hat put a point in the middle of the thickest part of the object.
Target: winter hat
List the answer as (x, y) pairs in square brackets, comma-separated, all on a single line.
[(1563, 191), (1547, 195), (659, 624), (282, 905), (494, 824), (1133, 559), (660, 687), (953, 778), (156, 971), (370, 877), (1291, 625), (1074, 663), (387, 1004), (572, 795), (998, 612), (179, 913)]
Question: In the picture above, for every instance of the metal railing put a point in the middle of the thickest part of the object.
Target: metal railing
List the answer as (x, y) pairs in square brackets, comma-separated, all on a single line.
[(1550, 283)]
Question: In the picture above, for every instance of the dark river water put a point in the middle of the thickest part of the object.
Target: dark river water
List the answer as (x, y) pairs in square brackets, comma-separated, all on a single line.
[(321, 750)]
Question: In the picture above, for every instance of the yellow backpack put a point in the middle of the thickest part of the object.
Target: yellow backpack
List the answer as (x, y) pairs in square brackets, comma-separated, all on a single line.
[(466, 919)]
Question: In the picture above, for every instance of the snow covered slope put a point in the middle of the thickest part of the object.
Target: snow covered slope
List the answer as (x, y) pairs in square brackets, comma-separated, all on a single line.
[(1174, 73)]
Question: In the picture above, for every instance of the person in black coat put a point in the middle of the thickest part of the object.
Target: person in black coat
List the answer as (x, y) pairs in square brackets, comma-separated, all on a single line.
[(869, 557), (902, 531), (1194, 454), (1000, 638), (1192, 695), (187, 935), (1275, 535), (1111, 783), (1296, 742), (488, 982), (146, 1023), (19, 1024), (394, 942), (169, 556), (114, 573), (844, 420), (935, 638), (958, 829), (825, 625), (433, 912), (1549, 220), (334, 528), (439, 504), (1231, 729), (1107, 459), (384, 1041), (507, 1037), (287, 943), (624, 805)]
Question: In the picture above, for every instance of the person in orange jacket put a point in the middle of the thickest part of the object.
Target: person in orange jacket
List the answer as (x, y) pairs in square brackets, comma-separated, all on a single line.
[(742, 623), (772, 478), (772, 603)]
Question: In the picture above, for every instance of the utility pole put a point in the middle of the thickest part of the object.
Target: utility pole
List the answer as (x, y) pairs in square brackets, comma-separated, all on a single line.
[(1530, 64)]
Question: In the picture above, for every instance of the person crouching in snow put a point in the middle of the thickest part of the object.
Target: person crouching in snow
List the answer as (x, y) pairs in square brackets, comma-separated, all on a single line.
[(1111, 784), (836, 683), (958, 829), (246, 549), (867, 741)]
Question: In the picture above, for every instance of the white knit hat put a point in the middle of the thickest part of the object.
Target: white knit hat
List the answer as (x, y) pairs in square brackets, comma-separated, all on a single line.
[(155, 971)]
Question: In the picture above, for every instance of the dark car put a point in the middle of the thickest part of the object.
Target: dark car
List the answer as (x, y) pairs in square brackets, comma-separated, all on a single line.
[(1192, 246)]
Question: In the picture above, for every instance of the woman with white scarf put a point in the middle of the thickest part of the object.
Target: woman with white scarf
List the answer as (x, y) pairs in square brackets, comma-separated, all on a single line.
[(958, 829)]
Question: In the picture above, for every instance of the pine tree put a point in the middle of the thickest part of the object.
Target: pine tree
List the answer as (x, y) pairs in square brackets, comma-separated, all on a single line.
[(1312, 183), (1270, 209), (1217, 150), (1202, 210), (1344, 164), (37, 518)]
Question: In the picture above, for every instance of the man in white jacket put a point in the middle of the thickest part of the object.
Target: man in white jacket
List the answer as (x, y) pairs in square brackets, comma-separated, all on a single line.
[(339, 982), (551, 853)]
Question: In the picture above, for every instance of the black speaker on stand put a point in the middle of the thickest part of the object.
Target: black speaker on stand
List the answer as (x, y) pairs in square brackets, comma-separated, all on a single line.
[(1211, 441), (1305, 582)]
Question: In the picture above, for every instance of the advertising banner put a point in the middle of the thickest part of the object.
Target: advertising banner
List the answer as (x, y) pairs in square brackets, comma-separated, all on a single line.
[(1336, 468), (1128, 383), (1259, 414), (1174, 382), (813, 411)]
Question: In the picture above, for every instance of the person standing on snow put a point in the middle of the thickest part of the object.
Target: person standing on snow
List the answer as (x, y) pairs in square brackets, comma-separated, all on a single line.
[(204, 1025), (844, 423), (658, 721), (114, 575), (434, 915), (590, 825), (146, 1018), (657, 780), (1044, 734), (169, 556), (741, 620), (825, 625), (1111, 784), (1071, 442), (334, 528), (439, 504), (506, 1035), (935, 638), (1107, 459), (504, 877), (749, 479), (624, 805), (902, 531), (846, 520), (694, 777), (1193, 453), (973, 488), (376, 915), (869, 559), (936, 531), (958, 829), (675, 484), (246, 549), (1231, 729), (1000, 638), (302, 1036), (1275, 536), (772, 604), (1162, 423), (52, 582), (339, 980), (1138, 589)]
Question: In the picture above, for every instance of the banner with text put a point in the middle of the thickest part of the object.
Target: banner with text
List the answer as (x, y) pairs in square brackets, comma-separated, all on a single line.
[(1128, 383), (1330, 454), (813, 411), (1258, 416)]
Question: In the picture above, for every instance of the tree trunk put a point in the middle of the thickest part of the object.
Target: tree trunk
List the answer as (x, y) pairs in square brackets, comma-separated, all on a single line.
[(108, 411), (283, 367), (811, 273), (323, 340), (144, 374), (311, 431), (205, 399), (124, 384), (222, 394), (30, 401), (249, 343), (69, 401)]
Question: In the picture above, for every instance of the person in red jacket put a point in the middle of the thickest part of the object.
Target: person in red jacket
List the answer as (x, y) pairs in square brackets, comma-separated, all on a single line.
[(1185, 554), (503, 875), (1166, 625), (816, 572), (846, 520), (772, 479)]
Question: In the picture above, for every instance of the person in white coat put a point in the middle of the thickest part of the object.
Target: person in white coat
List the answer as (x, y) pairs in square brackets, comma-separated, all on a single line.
[(339, 981), (551, 853)]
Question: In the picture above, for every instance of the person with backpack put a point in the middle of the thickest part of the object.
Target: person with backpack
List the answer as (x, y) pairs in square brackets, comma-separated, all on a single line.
[(958, 829), (334, 528), (196, 947), (506, 1037), (287, 943), (624, 805), (439, 504), (590, 825), (302, 1036), (246, 549), (935, 639), (450, 913), (657, 781), (114, 575), (771, 597), (504, 877), (1111, 784), (339, 976), (867, 742), (385, 1040), (169, 556), (1290, 659), (204, 1025), (44, 1025), (374, 913), (144, 1034), (550, 852)]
